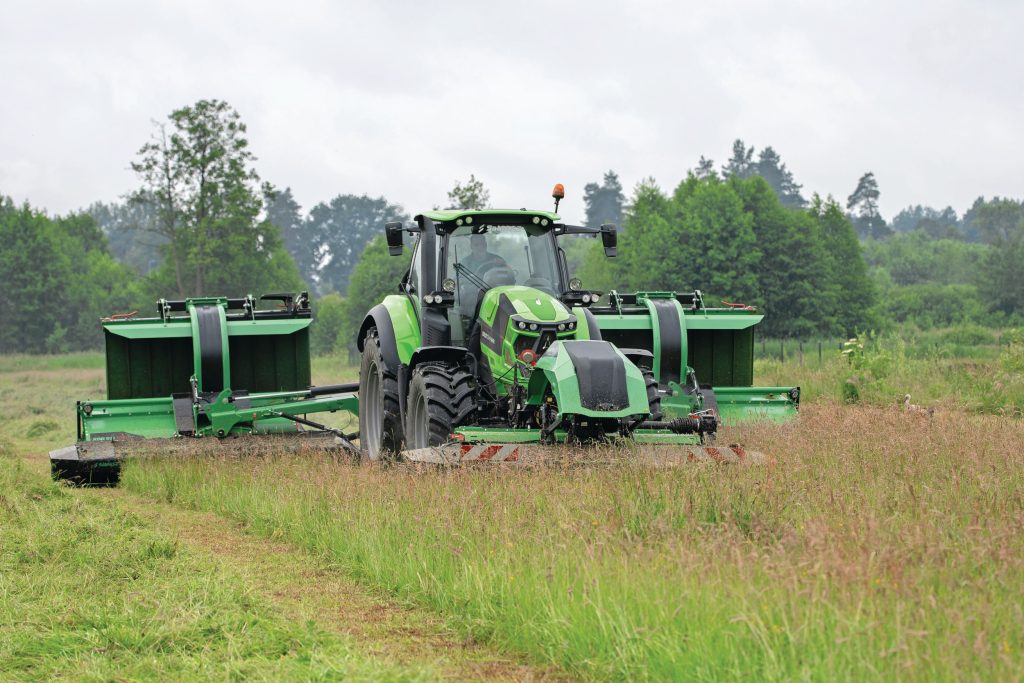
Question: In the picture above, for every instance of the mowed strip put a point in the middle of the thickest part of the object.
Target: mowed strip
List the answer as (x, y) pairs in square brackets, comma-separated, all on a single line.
[(101, 584), (308, 591)]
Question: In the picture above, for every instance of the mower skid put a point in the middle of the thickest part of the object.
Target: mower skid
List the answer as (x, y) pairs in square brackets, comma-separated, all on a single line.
[(87, 463)]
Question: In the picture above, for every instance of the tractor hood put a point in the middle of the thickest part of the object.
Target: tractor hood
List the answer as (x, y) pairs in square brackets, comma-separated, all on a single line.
[(524, 303)]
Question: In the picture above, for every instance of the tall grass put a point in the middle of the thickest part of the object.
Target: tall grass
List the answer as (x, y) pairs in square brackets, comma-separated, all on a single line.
[(889, 367), (878, 545)]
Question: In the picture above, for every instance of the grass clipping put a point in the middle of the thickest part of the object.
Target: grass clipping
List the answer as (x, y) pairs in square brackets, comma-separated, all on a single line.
[(874, 544)]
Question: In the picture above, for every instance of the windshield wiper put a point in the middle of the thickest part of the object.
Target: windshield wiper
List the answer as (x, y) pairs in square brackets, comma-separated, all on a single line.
[(471, 276)]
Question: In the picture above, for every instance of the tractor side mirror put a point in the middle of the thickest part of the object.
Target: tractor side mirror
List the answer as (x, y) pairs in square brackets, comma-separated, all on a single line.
[(610, 240), (393, 233)]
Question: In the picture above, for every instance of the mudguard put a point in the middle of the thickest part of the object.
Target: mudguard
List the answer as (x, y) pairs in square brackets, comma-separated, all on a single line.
[(397, 328)]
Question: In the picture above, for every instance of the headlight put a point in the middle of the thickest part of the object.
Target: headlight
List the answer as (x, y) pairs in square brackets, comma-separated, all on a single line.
[(585, 298), (448, 285), (561, 327), (533, 327), (572, 326), (521, 325)]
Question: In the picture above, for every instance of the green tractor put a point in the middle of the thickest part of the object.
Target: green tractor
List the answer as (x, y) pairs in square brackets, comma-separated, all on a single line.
[(490, 344)]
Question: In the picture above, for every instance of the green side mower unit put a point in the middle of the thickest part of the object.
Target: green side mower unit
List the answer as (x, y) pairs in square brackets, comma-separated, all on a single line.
[(206, 367)]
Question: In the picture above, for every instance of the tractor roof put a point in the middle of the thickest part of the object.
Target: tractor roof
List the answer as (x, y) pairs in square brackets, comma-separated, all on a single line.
[(443, 216)]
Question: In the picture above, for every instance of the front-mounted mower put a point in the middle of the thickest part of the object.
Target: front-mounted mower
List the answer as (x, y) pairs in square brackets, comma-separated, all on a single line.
[(489, 350)]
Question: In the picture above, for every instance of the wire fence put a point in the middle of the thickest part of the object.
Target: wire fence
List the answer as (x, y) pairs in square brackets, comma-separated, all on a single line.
[(813, 352)]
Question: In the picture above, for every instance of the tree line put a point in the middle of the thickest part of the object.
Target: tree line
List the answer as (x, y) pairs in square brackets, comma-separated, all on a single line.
[(203, 222)]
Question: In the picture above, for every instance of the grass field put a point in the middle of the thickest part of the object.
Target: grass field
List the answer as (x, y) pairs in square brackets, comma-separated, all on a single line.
[(877, 545)]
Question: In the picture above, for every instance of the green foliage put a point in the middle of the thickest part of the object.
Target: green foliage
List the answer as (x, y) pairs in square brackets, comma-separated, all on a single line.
[(1002, 279), (328, 320), (130, 231), (917, 258), (297, 235), (375, 275), (61, 280), (793, 279), (716, 239), (36, 273), (1012, 357), (339, 230), (999, 221), (932, 305), (197, 171), (968, 335), (473, 195), (936, 224), (734, 240), (853, 292)]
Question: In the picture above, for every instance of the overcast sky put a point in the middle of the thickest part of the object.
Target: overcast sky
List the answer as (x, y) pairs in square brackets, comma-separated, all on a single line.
[(404, 98)]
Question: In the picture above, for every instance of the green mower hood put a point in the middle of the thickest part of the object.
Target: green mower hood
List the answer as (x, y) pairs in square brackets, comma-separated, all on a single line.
[(590, 378)]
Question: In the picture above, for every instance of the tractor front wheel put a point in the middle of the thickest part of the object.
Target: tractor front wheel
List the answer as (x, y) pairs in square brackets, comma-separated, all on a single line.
[(380, 423), (653, 396), (440, 400)]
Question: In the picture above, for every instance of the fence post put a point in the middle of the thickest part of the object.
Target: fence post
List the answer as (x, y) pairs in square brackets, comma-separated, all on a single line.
[(800, 346), (782, 350), (819, 352)]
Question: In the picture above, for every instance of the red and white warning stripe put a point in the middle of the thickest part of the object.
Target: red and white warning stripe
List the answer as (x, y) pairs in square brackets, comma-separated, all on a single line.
[(656, 455)]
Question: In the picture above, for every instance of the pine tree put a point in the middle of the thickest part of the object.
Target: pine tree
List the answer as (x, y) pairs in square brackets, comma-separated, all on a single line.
[(770, 167), (863, 206), (705, 168), (604, 202), (741, 163)]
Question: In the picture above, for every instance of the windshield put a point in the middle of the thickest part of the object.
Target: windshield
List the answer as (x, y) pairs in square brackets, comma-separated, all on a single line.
[(483, 256)]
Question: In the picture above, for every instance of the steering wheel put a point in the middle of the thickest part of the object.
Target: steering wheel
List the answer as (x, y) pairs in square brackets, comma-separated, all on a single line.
[(499, 275)]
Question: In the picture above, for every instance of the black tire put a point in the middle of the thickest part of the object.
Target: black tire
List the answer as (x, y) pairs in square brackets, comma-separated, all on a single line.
[(653, 397), (440, 400), (380, 421)]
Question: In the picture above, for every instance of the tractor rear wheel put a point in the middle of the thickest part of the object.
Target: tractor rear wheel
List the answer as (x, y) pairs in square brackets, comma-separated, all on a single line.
[(380, 422), (440, 400)]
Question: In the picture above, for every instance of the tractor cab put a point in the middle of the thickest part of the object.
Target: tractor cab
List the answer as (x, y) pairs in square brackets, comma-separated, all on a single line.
[(459, 256)]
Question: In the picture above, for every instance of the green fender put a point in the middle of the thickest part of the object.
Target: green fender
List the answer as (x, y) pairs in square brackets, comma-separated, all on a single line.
[(396, 323), (556, 370)]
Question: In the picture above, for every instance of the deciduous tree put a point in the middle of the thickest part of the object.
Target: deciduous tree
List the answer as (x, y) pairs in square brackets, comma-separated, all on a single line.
[(198, 170)]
